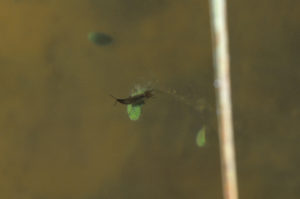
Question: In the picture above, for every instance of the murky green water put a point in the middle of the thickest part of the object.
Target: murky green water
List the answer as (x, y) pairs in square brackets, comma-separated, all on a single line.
[(62, 137), (265, 83)]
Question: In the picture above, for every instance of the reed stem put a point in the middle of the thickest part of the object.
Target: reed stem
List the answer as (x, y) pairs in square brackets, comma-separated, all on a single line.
[(223, 93)]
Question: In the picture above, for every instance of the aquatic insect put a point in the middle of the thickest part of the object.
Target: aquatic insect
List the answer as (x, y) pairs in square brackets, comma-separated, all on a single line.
[(135, 100)]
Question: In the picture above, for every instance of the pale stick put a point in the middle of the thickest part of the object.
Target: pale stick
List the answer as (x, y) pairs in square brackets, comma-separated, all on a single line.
[(222, 84)]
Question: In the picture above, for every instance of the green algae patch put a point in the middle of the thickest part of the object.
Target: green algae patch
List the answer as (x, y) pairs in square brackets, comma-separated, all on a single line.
[(134, 111), (201, 137)]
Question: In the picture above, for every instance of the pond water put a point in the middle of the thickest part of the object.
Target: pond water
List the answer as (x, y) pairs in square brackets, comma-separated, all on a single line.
[(61, 136)]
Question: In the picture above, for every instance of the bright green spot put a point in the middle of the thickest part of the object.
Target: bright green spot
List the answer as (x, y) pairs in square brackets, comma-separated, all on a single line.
[(201, 138), (134, 112)]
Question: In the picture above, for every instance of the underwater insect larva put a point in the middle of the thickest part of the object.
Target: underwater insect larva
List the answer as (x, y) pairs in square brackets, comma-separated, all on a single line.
[(136, 99)]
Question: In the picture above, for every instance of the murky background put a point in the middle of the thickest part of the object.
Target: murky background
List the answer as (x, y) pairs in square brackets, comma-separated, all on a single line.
[(62, 137)]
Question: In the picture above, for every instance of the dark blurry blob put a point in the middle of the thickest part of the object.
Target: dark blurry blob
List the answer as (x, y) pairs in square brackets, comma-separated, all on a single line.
[(100, 39)]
